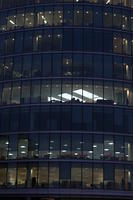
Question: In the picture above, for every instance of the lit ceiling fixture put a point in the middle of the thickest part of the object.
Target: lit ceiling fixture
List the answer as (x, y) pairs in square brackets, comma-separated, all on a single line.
[(108, 1), (69, 97), (87, 94), (12, 22)]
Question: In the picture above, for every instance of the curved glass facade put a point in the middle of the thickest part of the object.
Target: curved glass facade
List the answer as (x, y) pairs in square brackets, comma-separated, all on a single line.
[(66, 98)]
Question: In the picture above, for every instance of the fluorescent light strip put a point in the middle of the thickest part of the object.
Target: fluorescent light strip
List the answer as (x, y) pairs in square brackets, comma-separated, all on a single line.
[(87, 94), (108, 1), (12, 22), (69, 97), (53, 99)]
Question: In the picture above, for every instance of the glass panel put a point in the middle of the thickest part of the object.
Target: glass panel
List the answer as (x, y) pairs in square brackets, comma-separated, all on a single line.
[(13, 141), (128, 148), (33, 176), (108, 176), (76, 176), (3, 147), (98, 147), (87, 146), (119, 148), (87, 176), (43, 175), (22, 147), (25, 95), (65, 175), (22, 176), (15, 98), (11, 178), (53, 175), (6, 94), (76, 146), (33, 146), (119, 177), (3, 172), (54, 146), (65, 146), (108, 148), (129, 178), (97, 176)]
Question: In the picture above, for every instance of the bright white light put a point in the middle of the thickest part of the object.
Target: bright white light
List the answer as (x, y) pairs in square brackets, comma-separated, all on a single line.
[(117, 152), (45, 21), (7, 143), (22, 147), (108, 1), (23, 152), (12, 22), (64, 151), (106, 149), (111, 143), (10, 154), (53, 99), (87, 94), (69, 97), (94, 146), (50, 153), (65, 96)]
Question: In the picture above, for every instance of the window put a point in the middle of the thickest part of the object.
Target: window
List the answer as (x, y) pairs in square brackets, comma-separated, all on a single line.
[(15, 98), (107, 17), (29, 18), (22, 147), (35, 92), (117, 43), (108, 148), (3, 171), (58, 16), (12, 150), (128, 148), (3, 147), (78, 15), (33, 176), (25, 95), (76, 146), (6, 94), (27, 66), (75, 175), (86, 175), (8, 68), (36, 66), (117, 18), (11, 178), (88, 16), (65, 146), (119, 177), (44, 146), (65, 175), (98, 147), (43, 175), (108, 176), (54, 146), (22, 176), (97, 176), (53, 175), (17, 67), (119, 148), (128, 178), (87, 146), (33, 146)]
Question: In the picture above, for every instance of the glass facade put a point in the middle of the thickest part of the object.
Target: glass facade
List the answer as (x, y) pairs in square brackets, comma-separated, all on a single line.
[(66, 98)]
